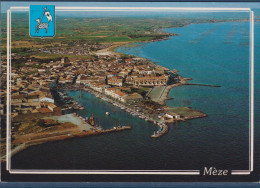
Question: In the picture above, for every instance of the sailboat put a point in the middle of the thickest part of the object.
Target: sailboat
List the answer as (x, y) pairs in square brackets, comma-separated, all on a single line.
[(91, 120)]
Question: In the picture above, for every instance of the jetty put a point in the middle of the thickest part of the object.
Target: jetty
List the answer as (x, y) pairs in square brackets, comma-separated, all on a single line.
[(163, 130), (208, 85), (158, 94), (180, 82), (24, 141)]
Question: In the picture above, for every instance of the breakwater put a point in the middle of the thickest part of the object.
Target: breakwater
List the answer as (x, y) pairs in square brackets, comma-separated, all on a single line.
[(207, 85), (163, 130), (130, 109), (188, 144), (70, 134)]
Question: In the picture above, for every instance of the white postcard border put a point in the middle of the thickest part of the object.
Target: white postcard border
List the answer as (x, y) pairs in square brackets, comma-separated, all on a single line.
[(137, 172)]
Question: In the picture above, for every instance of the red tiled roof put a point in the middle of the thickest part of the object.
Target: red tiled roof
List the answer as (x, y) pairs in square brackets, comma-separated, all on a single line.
[(44, 110), (121, 94), (48, 120), (35, 93)]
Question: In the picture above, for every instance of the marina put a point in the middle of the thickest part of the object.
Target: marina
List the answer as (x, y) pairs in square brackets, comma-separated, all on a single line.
[(69, 103), (131, 110), (187, 144), (155, 117)]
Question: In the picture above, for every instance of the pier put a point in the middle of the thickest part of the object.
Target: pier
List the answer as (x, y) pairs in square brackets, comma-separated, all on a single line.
[(187, 113), (163, 130), (208, 85), (25, 141), (160, 97)]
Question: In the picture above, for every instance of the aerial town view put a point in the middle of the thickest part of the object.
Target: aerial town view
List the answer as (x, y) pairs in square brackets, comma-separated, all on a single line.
[(91, 81), (43, 112)]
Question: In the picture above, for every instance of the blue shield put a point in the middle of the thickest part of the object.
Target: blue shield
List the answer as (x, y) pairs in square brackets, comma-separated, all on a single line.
[(42, 20)]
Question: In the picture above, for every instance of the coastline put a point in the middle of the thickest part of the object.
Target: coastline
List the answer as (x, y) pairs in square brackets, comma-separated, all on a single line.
[(58, 136), (112, 51), (165, 95), (141, 112), (180, 136), (183, 81)]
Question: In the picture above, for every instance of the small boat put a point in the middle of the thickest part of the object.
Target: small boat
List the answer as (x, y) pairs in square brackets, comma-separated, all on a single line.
[(107, 113), (154, 135)]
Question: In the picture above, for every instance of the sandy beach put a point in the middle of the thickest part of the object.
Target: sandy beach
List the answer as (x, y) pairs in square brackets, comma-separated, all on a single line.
[(110, 50)]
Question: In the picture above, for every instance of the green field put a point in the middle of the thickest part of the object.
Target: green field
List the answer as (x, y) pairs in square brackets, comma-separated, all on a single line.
[(110, 29), (92, 29), (184, 111), (76, 31)]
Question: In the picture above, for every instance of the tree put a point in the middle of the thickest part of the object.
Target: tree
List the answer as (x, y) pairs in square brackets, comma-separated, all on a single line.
[(41, 123), (74, 79)]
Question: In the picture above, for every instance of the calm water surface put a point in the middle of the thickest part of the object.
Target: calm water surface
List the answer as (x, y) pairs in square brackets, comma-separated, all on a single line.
[(215, 53)]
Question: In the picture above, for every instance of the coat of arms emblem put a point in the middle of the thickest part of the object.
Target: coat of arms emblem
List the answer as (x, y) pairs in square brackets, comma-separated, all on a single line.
[(42, 21)]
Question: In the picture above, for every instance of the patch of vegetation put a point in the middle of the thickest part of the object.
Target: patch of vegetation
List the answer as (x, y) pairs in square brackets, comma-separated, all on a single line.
[(29, 127), (184, 111), (91, 31), (151, 104), (125, 56), (57, 127), (142, 91), (88, 30)]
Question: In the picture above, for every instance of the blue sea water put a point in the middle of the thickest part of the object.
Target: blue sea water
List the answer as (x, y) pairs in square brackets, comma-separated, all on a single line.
[(210, 53)]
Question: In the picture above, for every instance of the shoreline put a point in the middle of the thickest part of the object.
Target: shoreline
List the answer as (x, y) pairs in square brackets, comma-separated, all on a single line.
[(142, 114), (183, 81), (62, 136), (164, 96), (110, 50), (113, 49)]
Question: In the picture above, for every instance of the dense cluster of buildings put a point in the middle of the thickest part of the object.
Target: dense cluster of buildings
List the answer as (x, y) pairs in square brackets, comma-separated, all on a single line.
[(78, 49), (111, 75), (117, 93)]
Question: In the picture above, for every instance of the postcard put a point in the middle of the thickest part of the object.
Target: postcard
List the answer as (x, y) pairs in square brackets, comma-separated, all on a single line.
[(153, 92)]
